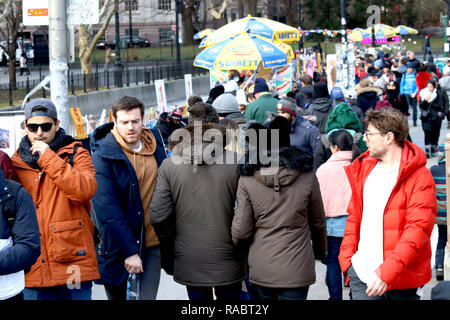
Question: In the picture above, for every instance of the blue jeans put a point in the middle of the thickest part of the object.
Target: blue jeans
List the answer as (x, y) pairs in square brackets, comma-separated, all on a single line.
[(334, 273), (440, 248), (59, 292), (283, 293), (152, 273), (358, 290), (229, 292), (412, 103)]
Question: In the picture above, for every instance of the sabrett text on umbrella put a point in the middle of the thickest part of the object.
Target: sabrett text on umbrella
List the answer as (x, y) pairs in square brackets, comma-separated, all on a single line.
[(287, 35), (238, 63)]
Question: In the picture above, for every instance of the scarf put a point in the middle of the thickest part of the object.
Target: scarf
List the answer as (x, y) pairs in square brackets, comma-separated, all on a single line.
[(61, 140)]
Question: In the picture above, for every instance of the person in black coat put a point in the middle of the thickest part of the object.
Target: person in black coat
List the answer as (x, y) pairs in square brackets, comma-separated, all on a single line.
[(20, 243), (394, 97)]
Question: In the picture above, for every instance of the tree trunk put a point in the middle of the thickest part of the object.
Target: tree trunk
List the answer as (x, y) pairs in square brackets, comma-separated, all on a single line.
[(85, 57), (86, 46), (291, 12), (250, 7), (12, 63), (240, 4), (186, 9)]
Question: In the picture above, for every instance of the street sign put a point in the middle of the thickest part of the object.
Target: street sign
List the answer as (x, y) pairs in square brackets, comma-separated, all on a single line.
[(78, 120), (82, 12), (188, 85), (35, 12), (161, 95)]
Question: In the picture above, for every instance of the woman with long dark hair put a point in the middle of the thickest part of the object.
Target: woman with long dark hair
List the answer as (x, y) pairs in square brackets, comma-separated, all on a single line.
[(280, 212), (335, 197), (431, 104)]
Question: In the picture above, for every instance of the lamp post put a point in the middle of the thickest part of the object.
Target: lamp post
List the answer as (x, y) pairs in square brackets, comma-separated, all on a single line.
[(118, 61), (177, 32), (344, 20), (300, 43), (372, 2)]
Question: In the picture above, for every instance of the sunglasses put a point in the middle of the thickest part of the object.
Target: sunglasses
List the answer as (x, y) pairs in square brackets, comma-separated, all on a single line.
[(46, 126)]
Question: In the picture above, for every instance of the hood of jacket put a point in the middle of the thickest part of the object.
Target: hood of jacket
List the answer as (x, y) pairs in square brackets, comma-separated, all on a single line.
[(306, 91), (412, 159), (198, 144), (343, 116), (322, 105), (148, 142), (370, 90), (292, 162)]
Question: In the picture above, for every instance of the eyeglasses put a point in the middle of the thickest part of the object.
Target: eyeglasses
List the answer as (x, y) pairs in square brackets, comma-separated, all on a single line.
[(46, 126), (368, 134)]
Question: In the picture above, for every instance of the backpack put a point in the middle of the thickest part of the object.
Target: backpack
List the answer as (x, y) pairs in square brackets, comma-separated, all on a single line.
[(9, 205)]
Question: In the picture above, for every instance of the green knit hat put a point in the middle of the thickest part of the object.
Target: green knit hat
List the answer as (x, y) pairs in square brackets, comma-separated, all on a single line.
[(343, 117)]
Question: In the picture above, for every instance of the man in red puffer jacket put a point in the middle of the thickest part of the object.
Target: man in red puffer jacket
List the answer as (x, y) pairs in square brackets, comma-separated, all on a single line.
[(386, 250)]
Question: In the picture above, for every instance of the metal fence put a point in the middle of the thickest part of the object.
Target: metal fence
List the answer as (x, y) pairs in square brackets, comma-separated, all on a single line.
[(102, 77)]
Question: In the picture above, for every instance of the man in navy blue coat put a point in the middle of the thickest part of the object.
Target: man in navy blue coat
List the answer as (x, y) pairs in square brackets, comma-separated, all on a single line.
[(126, 158), (304, 134), (20, 243)]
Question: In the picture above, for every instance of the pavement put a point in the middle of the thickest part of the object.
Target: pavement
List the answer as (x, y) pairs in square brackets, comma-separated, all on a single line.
[(170, 290)]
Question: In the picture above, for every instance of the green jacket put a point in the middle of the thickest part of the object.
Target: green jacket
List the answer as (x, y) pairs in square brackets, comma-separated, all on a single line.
[(257, 110)]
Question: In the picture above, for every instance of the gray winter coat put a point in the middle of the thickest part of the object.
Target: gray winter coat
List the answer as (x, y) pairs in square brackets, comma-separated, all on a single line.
[(321, 109), (194, 202)]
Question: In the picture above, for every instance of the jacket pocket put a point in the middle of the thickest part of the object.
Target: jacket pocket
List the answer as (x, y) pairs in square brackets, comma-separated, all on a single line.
[(68, 240)]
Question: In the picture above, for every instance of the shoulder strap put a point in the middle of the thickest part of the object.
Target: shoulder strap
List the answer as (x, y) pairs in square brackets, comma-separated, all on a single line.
[(70, 155), (9, 204)]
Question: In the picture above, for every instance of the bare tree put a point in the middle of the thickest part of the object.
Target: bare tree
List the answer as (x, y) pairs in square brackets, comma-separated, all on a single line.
[(11, 18), (88, 40), (188, 10)]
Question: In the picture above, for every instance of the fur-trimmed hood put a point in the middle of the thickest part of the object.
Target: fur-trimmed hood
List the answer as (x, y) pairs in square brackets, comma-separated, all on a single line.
[(292, 162)]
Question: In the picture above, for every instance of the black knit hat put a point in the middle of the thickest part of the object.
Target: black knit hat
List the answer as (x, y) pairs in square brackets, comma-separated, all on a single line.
[(283, 126), (215, 92), (320, 90)]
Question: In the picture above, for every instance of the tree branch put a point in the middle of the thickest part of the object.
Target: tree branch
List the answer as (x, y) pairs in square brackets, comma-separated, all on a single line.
[(100, 33), (6, 12)]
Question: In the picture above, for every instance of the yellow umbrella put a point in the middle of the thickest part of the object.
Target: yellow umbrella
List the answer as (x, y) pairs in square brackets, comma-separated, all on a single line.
[(263, 27), (358, 34), (244, 52), (404, 30), (382, 31)]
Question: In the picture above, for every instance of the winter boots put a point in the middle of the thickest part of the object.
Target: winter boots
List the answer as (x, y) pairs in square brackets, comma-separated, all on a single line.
[(440, 264), (428, 151)]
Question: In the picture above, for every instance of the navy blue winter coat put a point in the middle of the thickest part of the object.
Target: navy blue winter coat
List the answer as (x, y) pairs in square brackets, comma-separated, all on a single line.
[(25, 232), (305, 135), (119, 213)]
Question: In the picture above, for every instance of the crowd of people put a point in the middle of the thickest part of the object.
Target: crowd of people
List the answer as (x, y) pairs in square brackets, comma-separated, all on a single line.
[(238, 199)]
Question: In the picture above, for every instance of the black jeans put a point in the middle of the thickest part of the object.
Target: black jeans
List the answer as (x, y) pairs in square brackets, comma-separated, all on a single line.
[(358, 290), (17, 297), (116, 292), (283, 293)]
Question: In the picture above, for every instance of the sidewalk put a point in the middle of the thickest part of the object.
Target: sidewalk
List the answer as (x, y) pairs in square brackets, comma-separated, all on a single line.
[(170, 290)]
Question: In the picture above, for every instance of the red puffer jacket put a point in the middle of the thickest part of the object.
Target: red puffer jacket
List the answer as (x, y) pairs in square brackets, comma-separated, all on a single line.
[(408, 220)]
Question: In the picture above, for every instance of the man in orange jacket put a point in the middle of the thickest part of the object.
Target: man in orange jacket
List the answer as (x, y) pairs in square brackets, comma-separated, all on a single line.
[(59, 175), (386, 250)]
